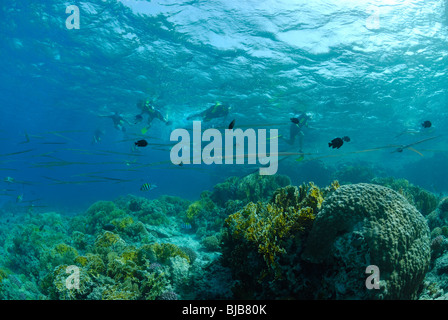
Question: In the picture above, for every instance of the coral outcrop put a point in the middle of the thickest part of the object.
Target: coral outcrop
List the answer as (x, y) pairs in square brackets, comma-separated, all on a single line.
[(423, 200), (261, 241), (364, 224)]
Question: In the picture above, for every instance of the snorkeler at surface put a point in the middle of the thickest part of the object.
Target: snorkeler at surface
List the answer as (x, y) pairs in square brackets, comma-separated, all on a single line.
[(218, 110), (97, 136), (298, 123), (118, 120), (147, 107), (426, 127)]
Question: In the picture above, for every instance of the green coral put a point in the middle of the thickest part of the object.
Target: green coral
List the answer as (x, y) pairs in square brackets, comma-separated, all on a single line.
[(97, 216), (164, 251), (92, 262), (79, 240), (423, 200), (121, 291), (363, 224), (112, 264), (115, 271), (204, 208), (211, 243), (54, 284), (354, 173), (107, 239), (193, 210), (122, 223), (153, 285), (59, 254), (3, 276), (253, 187)]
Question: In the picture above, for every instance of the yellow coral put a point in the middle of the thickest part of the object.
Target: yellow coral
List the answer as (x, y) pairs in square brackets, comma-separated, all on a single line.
[(164, 251), (122, 223), (106, 239), (81, 260), (267, 226), (64, 249), (3, 275), (193, 210), (116, 292), (315, 197), (130, 254), (95, 264)]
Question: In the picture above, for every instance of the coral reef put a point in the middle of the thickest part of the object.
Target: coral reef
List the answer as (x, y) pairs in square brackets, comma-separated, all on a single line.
[(365, 224), (119, 271), (439, 217), (260, 241), (253, 187), (254, 237), (211, 243), (114, 262), (353, 173), (423, 200)]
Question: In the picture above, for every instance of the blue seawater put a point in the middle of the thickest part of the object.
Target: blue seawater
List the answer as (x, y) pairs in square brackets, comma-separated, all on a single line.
[(370, 70)]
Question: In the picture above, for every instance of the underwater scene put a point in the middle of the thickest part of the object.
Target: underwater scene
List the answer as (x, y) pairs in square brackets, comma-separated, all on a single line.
[(224, 150)]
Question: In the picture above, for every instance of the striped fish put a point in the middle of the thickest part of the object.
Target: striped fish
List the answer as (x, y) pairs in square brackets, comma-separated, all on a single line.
[(185, 225), (148, 187)]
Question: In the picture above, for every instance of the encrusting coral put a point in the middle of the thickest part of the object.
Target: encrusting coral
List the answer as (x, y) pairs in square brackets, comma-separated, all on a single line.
[(424, 201)]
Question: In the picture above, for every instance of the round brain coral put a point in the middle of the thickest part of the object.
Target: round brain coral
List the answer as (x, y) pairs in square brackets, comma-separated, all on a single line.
[(365, 224)]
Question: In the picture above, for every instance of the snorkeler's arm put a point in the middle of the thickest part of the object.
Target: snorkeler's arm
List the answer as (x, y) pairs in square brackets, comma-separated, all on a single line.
[(160, 116), (126, 120)]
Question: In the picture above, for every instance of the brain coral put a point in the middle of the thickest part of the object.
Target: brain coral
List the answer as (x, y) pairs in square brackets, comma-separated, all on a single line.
[(365, 224)]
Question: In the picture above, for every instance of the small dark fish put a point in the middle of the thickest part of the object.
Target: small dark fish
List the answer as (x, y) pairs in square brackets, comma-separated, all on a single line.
[(346, 138), (141, 143), (147, 187), (109, 227), (426, 124), (295, 120), (232, 124), (336, 143)]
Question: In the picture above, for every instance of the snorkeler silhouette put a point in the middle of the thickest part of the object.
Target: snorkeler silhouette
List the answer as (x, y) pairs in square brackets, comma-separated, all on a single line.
[(218, 110)]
